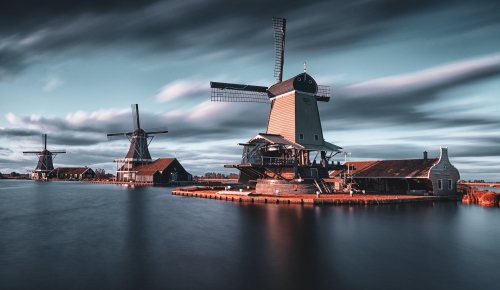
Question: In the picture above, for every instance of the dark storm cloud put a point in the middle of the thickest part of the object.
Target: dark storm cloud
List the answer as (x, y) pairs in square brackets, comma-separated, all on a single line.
[(33, 29)]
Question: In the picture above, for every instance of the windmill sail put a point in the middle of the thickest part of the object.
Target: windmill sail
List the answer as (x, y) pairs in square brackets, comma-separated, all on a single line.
[(135, 116), (139, 139), (227, 92), (157, 131), (279, 26), (44, 140), (45, 160)]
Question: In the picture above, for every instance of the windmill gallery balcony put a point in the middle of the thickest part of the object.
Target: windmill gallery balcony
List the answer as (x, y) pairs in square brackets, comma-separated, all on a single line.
[(290, 162)]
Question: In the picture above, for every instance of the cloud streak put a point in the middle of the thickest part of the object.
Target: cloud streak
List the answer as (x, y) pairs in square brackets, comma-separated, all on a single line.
[(400, 99), (33, 30), (183, 89), (53, 82), (428, 80)]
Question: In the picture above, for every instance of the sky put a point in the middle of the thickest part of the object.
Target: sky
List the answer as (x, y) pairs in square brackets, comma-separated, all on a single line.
[(406, 77)]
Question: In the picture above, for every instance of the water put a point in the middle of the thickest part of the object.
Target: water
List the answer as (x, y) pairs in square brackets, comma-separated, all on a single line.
[(58, 235)]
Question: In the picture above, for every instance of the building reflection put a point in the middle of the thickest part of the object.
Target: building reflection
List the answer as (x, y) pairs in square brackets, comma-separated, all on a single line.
[(137, 256)]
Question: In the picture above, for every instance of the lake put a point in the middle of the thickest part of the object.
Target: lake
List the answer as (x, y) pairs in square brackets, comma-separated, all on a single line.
[(72, 235)]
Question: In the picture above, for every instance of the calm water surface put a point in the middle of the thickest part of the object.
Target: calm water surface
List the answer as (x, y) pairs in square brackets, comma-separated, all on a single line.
[(69, 235)]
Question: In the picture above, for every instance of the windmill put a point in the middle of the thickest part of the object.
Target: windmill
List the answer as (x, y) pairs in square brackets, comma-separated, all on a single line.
[(138, 152), (281, 158), (45, 160)]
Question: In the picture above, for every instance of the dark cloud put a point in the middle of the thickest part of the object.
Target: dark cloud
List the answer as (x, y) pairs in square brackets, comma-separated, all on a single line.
[(33, 29), (4, 151), (57, 138)]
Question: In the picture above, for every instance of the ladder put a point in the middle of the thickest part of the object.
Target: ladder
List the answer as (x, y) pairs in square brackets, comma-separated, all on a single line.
[(322, 186)]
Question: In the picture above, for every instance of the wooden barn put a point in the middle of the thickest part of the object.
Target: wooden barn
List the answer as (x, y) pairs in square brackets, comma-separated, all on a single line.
[(73, 173), (436, 176), (162, 171)]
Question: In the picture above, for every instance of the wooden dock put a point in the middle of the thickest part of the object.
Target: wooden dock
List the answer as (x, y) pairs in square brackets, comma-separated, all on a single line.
[(140, 184), (324, 199)]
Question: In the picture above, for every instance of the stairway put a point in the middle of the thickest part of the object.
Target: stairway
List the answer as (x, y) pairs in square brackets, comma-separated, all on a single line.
[(322, 186)]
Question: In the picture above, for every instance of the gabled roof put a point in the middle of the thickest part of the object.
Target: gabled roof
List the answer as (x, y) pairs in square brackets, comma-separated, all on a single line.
[(278, 139), (407, 168), (160, 165), (70, 170), (327, 146)]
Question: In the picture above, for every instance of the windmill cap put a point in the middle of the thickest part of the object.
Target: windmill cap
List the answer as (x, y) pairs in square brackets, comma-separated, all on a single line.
[(302, 82)]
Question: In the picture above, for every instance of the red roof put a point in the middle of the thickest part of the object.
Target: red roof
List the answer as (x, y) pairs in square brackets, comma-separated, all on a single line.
[(159, 164), (408, 168)]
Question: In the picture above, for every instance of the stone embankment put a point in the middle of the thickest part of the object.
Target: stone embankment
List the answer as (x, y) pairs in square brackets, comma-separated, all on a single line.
[(324, 199)]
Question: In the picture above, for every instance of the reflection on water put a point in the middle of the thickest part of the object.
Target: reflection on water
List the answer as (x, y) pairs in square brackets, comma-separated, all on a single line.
[(73, 235), (136, 239)]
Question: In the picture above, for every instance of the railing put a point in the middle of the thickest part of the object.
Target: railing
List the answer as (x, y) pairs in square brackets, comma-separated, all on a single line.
[(262, 160), (276, 161)]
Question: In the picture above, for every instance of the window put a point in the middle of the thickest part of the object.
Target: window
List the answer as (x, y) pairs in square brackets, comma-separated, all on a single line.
[(450, 184), (301, 136), (440, 184), (316, 137)]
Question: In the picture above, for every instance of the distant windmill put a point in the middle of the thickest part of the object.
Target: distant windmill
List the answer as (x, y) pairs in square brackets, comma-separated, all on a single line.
[(45, 160), (293, 128), (138, 152)]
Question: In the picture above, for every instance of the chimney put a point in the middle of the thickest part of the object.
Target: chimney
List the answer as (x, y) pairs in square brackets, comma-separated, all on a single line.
[(425, 155)]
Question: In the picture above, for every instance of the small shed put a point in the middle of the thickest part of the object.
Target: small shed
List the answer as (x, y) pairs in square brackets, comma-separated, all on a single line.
[(162, 171), (73, 173)]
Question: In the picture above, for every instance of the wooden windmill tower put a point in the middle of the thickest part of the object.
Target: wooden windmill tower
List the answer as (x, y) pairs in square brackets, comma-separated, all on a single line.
[(138, 152), (45, 160), (292, 155)]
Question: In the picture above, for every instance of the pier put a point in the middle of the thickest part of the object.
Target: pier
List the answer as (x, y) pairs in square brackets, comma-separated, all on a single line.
[(309, 199)]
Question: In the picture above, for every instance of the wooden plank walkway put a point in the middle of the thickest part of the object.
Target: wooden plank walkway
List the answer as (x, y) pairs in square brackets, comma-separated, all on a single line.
[(324, 199)]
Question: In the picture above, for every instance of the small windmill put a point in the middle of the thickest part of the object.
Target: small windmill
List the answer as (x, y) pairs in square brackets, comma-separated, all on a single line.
[(138, 152), (45, 160), (293, 129)]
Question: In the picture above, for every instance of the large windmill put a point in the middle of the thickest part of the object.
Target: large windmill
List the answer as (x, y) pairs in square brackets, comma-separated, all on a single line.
[(138, 152), (45, 160), (284, 158)]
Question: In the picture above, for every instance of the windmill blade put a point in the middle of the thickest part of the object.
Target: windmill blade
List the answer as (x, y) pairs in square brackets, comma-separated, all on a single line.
[(323, 94), (135, 116), (117, 134), (239, 87), (157, 131), (279, 27), (44, 140), (58, 152), (237, 96), (31, 152), (114, 136), (227, 92)]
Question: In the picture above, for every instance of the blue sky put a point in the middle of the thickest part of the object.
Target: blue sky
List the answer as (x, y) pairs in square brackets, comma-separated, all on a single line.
[(406, 77)]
